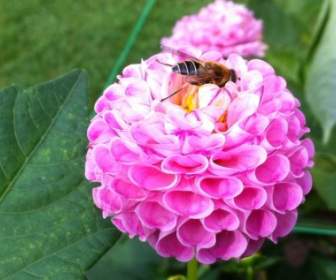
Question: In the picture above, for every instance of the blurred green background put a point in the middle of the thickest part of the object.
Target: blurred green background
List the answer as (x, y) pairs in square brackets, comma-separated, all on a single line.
[(41, 39)]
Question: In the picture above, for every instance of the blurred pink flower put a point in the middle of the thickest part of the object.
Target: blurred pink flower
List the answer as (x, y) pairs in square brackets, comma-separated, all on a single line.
[(222, 26), (213, 182)]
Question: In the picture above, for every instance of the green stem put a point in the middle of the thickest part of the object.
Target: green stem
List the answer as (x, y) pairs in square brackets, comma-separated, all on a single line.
[(249, 273), (192, 270), (130, 41)]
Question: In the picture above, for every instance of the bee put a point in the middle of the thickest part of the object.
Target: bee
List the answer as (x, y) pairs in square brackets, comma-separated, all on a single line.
[(198, 72)]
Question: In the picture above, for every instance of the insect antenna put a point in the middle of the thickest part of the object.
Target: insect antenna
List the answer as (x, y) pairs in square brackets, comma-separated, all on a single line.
[(163, 63), (171, 95)]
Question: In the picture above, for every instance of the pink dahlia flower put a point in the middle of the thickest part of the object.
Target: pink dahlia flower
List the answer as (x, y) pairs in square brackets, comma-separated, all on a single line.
[(209, 175), (222, 26)]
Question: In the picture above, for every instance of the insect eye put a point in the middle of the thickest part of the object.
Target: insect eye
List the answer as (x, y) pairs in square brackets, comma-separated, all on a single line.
[(233, 76)]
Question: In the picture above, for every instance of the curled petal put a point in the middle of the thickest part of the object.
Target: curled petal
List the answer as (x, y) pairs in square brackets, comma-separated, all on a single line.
[(125, 152), (285, 224), (286, 196), (188, 204), (241, 159), (273, 86), (260, 65), (102, 104), (128, 190), (114, 120), (99, 132), (276, 132), (151, 178), (221, 219), (170, 246), (153, 215), (192, 233), (185, 164), (253, 246), (104, 159), (251, 198), (242, 107), (217, 187), (306, 182), (107, 200), (298, 161), (260, 223), (274, 169), (129, 222), (256, 124), (229, 244)]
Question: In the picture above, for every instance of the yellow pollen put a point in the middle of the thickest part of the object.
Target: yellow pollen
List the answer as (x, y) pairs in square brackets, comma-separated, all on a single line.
[(190, 99)]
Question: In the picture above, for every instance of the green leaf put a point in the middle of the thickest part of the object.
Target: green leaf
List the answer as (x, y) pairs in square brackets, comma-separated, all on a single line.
[(324, 174), (321, 82), (49, 226)]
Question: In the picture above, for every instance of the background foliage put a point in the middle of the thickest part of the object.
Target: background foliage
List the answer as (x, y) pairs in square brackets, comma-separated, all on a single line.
[(49, 227)]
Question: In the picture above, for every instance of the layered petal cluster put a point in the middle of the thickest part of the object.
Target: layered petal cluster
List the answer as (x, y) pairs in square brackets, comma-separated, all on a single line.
[(221, 26), (212, 182)]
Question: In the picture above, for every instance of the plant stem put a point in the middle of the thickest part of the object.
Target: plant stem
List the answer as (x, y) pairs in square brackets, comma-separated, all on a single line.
[(192, 270)]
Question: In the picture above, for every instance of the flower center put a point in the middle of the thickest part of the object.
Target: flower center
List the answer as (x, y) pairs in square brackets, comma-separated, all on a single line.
[(187, 98)]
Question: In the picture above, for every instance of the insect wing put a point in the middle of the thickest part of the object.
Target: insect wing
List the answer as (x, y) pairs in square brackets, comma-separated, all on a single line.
[(184, 55)]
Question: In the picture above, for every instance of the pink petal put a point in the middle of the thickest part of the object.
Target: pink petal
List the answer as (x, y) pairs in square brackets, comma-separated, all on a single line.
[(188, 204), (253, 246), (125, 152), (240, 159), (151, 178), (98, 131), (90, 167), (170, 246), (221, 219), (114, 120), (242, 107), (102, 104), (104, 159), (236, 136), (287, 196), (274, 169), (211, 142), (260, 223), (306, 182), (273, 86), (309, 145), (298, 161), (129, 222), (276, 132), (251, 81), (185, 164), (218, 187), (128, 190), (114, 92), (191, 233), (261, 66), (153, 215), (285, 224), (132, 70), (107, 200), (256, 124), (206, 93), (251, 198), (229, 244)]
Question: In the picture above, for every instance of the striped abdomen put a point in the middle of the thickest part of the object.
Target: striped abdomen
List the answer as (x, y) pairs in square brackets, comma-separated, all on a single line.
[(188, 68)]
